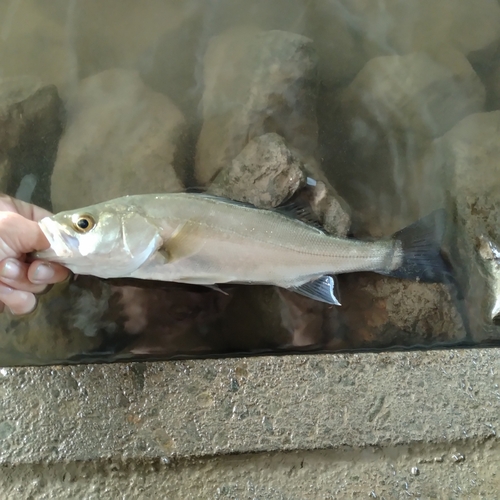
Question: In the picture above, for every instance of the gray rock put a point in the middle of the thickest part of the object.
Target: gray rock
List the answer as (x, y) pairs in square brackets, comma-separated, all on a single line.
[(121, 138), (258, 82), (381, 312), (389, 114), (67, 322), (255, 83), (115, 34), (172, 65), (348, 33), (31, 116), (492, 84), (168, 320), (302, 318), (35, 43), (337, 39), (426, 94), (266, 173), (467, 160), (332, 211)]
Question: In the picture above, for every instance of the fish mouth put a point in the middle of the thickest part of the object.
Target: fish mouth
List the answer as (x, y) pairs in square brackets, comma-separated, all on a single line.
[(62, 244)]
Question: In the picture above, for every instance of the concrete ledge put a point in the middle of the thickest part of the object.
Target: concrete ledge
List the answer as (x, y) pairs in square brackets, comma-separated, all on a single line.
[(209, 407), (419, 471)]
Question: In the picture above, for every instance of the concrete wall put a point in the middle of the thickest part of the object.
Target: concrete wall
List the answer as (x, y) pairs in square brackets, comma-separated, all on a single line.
[(419, 424)]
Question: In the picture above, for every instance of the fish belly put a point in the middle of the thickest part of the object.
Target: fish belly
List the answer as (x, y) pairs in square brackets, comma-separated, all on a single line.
[(243, 260)]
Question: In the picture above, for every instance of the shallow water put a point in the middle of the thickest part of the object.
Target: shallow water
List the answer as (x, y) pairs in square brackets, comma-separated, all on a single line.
[(393, 108)]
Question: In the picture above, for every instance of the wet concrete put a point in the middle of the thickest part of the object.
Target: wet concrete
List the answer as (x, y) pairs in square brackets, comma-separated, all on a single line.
[(390, 408), (447, 470)]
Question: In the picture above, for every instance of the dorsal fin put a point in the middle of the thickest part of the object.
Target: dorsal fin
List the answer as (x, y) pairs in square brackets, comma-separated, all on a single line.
[(296, 208), (226, 200), (195, 190), (299, 209)]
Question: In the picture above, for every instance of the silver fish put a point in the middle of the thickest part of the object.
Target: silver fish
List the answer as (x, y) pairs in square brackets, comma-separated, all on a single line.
[(206, 240), (489, 254)]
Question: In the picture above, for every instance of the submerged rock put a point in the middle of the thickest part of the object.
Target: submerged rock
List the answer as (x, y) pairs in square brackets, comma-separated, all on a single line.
[(422, 93), (389, 114), (115, 33), (172, 65), (467, 159), (35, 43), (332, 211), (266, 173), (302, 318), (66, 323), (348, 33), (255, 83), (252, 321), (31, 123), (381, 312), (121, 138), (338, 42), (164, 320)]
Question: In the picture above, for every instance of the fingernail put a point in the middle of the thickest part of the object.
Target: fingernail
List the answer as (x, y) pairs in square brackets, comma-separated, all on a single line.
[(5, 290), (10, 269), (43, 273)]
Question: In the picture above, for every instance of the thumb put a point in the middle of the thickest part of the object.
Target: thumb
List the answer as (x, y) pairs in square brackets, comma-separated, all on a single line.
[(20, 235)]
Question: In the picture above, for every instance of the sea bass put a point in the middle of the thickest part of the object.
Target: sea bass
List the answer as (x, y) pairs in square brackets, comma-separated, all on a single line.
[(206, 240)]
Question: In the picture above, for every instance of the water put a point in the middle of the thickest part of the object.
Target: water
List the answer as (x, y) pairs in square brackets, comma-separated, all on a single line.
[(385, 109)]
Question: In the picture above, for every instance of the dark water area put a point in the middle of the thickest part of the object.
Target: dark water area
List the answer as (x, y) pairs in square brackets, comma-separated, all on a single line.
[(374, 113)]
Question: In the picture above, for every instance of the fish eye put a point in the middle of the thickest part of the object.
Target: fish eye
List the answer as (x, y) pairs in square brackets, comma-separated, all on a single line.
[(83, 223)]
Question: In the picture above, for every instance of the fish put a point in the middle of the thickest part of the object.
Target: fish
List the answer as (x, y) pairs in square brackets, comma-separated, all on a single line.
[(201, 239), (489, 254)]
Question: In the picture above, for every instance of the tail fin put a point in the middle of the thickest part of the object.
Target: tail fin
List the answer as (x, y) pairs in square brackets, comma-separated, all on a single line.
[(423, 259)]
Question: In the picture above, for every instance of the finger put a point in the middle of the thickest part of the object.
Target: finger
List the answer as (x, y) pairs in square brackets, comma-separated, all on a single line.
[(20, 234), (27, 210), (14, 274), (40, 272), (18, 301)]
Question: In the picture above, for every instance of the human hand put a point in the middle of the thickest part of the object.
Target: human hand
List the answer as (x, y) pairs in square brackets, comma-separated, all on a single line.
[(20, 234)]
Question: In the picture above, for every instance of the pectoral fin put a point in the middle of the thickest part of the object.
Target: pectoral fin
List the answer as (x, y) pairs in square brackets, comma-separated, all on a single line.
[(184, 242), (324, 289)]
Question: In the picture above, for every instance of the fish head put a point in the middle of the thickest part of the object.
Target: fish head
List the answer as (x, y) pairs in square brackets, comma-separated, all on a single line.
[(105, 240)]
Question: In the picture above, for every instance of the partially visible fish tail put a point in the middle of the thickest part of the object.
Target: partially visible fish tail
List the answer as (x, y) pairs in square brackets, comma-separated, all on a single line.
[(422, 258)]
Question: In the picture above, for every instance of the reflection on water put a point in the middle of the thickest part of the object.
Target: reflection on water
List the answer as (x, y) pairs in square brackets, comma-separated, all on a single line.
[(391, 107)]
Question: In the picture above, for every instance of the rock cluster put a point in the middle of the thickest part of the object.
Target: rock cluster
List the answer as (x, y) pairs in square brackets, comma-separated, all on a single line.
[(374, 113)]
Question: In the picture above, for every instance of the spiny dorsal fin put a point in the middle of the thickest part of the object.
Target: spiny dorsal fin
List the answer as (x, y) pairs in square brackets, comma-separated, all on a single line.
[(295, 209), (300, 210)]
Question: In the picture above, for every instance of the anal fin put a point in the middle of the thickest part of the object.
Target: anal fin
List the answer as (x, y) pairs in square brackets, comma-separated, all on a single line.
[(323, 289)]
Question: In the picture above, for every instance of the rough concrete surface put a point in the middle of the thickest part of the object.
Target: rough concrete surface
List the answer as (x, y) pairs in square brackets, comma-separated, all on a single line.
[(210, 407), (464, 470), (388, 426)]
